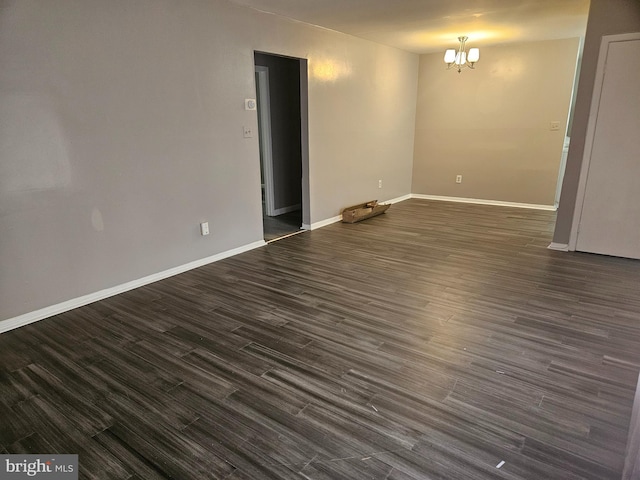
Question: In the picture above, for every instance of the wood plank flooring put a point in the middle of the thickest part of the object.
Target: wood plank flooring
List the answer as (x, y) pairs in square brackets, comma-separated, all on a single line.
[(432, 342)]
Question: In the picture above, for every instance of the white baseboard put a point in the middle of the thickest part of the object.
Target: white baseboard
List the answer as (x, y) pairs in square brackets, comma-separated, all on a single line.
[(46, 312), (398, 199), (562, 247), (480, 201), (322, 223), (283, 210)]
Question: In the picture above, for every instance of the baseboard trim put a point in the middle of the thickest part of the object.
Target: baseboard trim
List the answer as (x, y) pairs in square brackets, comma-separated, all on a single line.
[(283, 210), (322, 223), (479, 201), (399, 199), (31, 317), (561, 247)]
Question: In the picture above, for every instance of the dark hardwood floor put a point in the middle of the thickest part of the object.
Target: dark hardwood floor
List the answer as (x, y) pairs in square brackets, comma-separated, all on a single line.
[(432, 342)]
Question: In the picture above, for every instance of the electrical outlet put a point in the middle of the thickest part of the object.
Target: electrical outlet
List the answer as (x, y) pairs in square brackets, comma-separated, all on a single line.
[(379, 183), (458, 178), (553, 126), (204, 228), (247, 132)]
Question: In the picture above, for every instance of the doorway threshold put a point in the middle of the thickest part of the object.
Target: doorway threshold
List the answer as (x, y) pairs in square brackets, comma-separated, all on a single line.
[(302, 230)]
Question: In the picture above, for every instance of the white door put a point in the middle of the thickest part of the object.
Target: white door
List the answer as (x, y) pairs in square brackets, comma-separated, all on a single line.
[(609, 221)]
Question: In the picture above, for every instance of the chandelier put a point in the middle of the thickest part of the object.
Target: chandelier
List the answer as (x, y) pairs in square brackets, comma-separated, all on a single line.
[(460, 59)]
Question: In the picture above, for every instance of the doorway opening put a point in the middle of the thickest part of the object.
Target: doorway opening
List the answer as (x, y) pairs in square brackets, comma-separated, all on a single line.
[(282, 99)]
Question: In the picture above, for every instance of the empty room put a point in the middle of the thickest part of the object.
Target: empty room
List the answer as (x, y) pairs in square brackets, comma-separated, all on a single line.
[(181, 298)]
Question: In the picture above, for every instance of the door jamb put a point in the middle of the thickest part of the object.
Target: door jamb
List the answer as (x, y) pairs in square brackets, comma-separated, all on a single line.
[(264, 111)]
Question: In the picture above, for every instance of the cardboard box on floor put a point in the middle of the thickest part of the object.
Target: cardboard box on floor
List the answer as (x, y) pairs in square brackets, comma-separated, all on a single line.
[(363, 211)]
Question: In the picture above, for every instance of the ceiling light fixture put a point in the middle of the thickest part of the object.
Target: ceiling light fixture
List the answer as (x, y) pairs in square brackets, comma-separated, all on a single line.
[(460, 59)]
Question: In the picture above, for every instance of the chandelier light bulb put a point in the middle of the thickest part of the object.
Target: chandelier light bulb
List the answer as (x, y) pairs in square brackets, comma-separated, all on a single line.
[(474, 55), (449, 56)]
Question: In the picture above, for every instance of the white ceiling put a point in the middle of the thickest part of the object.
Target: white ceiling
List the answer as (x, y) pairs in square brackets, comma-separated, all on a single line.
[(423, 26)]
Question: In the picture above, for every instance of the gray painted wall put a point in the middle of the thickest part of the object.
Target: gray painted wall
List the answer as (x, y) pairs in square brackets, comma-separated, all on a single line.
[(492, 124), (606, 17), (284, 93), (121, 130)]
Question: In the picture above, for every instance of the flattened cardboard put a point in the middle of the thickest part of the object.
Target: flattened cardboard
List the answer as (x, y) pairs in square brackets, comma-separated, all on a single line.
[(356, 213)]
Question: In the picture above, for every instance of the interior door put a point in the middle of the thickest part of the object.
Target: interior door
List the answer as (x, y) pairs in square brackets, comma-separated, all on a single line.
[(609, 222)]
